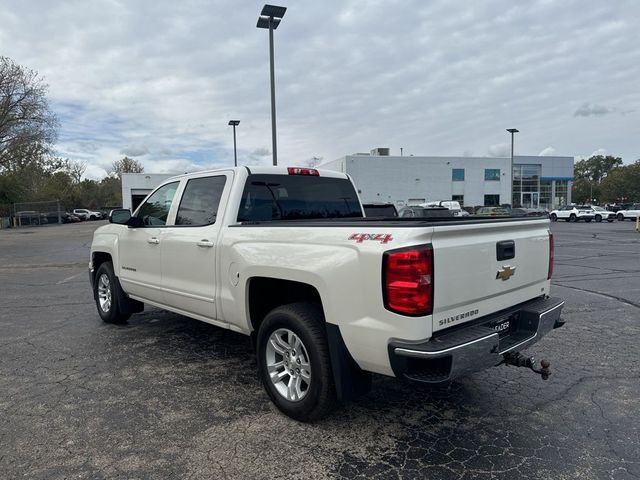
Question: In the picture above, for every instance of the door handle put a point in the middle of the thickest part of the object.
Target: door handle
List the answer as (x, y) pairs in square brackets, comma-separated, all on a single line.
[(205, 243), (153, 240)]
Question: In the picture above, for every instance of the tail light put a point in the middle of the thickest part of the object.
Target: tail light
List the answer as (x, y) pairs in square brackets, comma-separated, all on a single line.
[(551, 256), (303, 171), (407, 277)]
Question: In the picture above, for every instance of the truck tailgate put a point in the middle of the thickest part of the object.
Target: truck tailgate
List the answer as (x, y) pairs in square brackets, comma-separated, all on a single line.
[(483, 268)]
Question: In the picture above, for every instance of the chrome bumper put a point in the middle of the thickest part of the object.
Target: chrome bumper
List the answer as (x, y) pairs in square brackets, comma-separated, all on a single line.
[(471, 348)]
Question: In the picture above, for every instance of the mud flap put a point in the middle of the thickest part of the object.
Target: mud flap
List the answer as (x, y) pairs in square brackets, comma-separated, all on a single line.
[(350, 380)]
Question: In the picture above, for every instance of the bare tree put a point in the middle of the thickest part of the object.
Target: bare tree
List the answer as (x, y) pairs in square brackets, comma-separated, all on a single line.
[(27, 125), (126, 165), (75, 169)]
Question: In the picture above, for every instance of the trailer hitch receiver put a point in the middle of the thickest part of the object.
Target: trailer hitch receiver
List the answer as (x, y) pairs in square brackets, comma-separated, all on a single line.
[(518, 360)]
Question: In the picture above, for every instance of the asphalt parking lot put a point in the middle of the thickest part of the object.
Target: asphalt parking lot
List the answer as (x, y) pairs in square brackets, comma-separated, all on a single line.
[(169, 397)]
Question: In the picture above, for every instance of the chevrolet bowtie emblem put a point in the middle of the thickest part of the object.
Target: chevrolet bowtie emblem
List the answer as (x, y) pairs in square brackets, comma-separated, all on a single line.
[(505, 273)]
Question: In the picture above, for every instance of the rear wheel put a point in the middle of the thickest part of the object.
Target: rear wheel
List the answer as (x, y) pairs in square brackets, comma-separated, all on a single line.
[(107, 295), (294, 363), (553, 217)]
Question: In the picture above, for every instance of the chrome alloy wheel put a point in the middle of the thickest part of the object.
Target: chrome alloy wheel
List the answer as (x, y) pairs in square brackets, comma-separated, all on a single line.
[(104, 292), (288, 364)]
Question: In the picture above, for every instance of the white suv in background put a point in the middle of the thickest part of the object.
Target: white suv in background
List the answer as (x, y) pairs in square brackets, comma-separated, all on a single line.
[(85, 214), (602, 213), (452, 205), (630, 213), (572, 213)]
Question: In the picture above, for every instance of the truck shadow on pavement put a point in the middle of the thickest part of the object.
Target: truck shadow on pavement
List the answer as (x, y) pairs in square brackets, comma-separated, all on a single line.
[(201, 381)]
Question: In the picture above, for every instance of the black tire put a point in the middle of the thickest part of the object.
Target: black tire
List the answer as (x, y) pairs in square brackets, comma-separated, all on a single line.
[(93, 217), (573, 218), (107, 282), (598, 218), (553, 217), (306, 321), (620, 217)]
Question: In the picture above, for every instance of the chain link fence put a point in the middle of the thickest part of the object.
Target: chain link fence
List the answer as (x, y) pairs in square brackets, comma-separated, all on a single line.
[(36, 214)]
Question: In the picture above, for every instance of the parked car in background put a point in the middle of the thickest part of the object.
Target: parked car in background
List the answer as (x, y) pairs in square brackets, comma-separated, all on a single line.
[(85, 214), (65, 217), (452, 205), (631, 213), (492, 212), (602, 213), (380, 210), (573, 213), (425, 212)]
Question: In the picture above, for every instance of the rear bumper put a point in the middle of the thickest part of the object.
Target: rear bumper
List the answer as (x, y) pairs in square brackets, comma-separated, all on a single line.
[(471, 348)]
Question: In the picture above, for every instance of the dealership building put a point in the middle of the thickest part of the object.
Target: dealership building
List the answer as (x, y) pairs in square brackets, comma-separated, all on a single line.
[(538, 182)]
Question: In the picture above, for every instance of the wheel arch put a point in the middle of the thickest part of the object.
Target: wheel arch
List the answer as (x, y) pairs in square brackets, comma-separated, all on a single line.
[(266, 293)]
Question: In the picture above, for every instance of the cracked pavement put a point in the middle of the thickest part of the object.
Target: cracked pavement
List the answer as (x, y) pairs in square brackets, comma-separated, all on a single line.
[(169, 397)]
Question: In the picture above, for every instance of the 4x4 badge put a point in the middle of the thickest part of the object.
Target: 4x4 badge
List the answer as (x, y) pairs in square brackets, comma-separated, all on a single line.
[(505, 273)]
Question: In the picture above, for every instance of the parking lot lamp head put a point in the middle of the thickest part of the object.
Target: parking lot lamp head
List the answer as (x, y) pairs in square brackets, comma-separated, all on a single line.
[(270, 18)]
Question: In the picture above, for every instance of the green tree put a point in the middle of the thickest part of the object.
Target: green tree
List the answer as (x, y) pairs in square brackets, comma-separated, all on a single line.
[(622, 184), (27, 125), (126, 165), (589, 173), (111, 192)]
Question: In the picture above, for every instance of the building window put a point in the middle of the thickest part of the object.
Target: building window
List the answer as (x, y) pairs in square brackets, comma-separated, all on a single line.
[(492, 174), (457, 174), (458, 198), (491, 200)]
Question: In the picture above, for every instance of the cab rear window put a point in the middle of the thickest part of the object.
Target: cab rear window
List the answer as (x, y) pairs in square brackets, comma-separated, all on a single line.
[(296, 197)]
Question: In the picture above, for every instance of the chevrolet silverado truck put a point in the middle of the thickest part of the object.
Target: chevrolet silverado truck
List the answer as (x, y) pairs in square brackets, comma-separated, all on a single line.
[(328, 296)]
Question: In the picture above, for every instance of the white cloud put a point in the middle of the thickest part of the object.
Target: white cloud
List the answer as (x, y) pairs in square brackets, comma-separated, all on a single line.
[(600, 151), (135, 150), (547, 152), (437, 79), (500, 150), (592, 109)]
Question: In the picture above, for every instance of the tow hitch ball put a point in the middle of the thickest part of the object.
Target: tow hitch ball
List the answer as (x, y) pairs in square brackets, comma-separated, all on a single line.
[(518, 360)]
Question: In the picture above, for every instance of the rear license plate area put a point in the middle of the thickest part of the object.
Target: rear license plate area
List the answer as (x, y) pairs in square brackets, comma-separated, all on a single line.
[(504, 327)]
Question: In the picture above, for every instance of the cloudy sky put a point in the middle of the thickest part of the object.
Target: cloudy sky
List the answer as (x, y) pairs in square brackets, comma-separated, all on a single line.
[(159, 80)]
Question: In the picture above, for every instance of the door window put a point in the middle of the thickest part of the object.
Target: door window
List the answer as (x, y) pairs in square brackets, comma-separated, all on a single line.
[(199, 204), (156, 209)]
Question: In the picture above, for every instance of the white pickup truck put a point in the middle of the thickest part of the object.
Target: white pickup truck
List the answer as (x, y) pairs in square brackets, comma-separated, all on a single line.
[(329, 297)]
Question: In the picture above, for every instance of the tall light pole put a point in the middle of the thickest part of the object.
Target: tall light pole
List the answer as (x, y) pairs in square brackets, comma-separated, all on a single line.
[(512, 131), (234, 124), (270, 18)]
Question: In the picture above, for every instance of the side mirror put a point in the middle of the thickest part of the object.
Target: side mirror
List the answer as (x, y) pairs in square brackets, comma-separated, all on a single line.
[(120, 216)]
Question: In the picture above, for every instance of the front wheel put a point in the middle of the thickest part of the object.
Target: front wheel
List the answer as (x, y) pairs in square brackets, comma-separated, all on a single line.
[(573, 218), (598, 218), (106, 294), (553, 217), (620, 217), (294, 363)]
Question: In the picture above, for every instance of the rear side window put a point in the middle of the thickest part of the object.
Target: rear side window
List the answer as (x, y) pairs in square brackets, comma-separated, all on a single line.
[(199, 204), (294, 197)]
